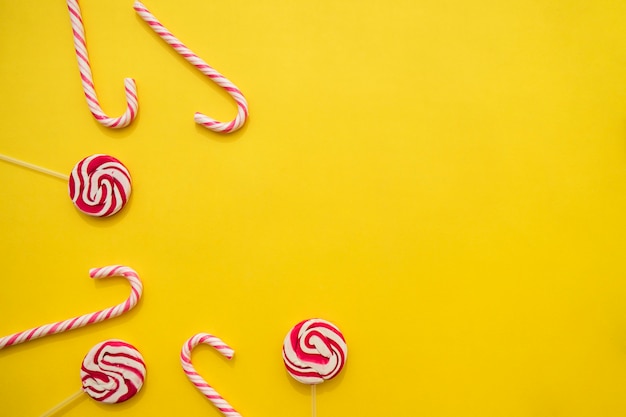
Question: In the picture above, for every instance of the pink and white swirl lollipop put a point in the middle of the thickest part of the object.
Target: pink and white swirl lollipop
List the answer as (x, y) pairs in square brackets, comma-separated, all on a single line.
[(112, 372), (314, 351), (99, 185)]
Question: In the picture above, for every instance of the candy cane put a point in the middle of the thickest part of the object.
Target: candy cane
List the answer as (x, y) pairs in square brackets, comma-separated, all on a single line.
[(185, 360), (80, 46), (91, 318), (206, 69)]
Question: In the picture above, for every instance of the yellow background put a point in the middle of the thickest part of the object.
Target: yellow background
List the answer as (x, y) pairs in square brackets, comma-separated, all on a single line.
[(445, 180)]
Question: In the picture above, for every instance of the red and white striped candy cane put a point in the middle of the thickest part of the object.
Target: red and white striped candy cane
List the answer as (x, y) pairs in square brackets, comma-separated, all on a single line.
[(130, 88), (206, 69), (185, 359), (91, 318)]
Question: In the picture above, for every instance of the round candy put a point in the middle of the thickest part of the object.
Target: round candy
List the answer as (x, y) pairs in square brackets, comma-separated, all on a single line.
[(99, 185), (113, 371), (314, 351)]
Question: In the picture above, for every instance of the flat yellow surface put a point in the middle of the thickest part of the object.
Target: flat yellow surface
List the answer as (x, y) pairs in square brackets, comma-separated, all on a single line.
[(443, 180)]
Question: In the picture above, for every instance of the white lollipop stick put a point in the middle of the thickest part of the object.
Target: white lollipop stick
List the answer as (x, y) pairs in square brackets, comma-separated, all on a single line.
[(34, 167), (78, 394)]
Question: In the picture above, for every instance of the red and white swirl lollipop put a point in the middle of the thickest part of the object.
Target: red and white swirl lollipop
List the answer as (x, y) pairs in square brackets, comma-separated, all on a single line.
[(112, 372), (99, 185), (314, 351)]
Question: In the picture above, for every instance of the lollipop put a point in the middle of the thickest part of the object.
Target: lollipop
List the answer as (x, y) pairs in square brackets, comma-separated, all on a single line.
[(314, 351), (112, 372), (99, 185)]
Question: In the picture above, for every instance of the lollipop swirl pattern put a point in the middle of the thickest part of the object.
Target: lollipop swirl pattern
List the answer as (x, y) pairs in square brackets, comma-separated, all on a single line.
[(100, 185), (113, 371), (314, 351)]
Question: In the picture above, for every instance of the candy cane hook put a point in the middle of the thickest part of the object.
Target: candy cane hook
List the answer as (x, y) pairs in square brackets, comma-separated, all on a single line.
[(206, 69), (185, 360), (91, 318), (80, 46)]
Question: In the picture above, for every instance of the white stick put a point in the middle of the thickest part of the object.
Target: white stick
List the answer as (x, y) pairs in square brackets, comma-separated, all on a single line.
[(313, 406), (34, 167), (63, 403)]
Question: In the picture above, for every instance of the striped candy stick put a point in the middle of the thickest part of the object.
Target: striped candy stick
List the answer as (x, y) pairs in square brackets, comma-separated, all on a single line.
[(206, 69), (80, 46), (91, 318), (195, 378)]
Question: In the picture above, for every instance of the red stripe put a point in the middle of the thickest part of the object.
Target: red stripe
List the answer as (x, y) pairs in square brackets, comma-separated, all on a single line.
[(75, 13)]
